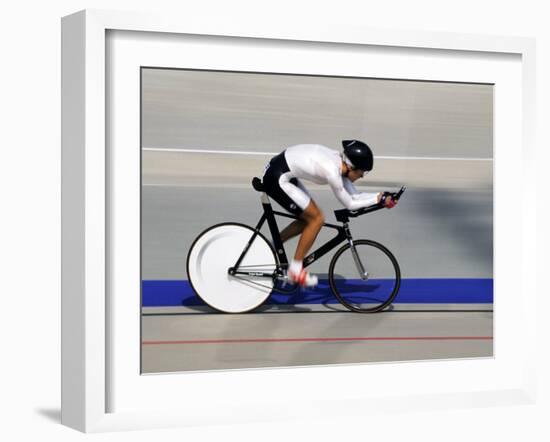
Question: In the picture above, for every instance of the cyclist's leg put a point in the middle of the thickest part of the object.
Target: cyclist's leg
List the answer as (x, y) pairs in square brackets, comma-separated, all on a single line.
[(314, 220), (296, 227), (292, 196)]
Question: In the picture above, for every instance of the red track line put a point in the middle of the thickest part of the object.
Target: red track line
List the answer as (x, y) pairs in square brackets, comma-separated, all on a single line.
[(389, 338)]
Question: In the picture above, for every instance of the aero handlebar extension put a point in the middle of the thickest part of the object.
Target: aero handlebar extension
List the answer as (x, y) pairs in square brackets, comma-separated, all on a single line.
[(343, 215)]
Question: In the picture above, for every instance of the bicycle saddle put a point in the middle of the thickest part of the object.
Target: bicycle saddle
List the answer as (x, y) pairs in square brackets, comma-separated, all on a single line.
[(257, 184)]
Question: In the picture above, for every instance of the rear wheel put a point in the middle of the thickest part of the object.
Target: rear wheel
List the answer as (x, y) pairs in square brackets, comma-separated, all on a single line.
[(216, 250), (366, 281)]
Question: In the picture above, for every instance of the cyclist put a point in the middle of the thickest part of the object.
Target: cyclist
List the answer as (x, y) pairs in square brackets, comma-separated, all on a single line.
[(321, 165)]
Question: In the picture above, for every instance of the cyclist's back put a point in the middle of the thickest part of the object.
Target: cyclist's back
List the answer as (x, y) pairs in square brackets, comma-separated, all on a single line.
[(314, 162)]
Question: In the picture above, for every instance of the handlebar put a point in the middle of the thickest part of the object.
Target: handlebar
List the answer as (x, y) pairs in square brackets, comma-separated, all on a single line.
[(397, 195), (343, 215)]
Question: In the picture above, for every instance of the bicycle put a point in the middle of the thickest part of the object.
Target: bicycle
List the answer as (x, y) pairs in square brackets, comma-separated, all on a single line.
[(233, 268)]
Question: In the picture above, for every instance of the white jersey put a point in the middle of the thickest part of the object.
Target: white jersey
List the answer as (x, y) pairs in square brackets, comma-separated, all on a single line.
[(321, 165)]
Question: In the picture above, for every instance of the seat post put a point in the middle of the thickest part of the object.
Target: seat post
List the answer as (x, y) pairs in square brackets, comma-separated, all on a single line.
[(269, 215)]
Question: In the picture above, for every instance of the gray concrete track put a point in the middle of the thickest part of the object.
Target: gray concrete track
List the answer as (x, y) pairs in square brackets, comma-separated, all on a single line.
[(242, 111), (166, 353), (437, 138), (436, 231)]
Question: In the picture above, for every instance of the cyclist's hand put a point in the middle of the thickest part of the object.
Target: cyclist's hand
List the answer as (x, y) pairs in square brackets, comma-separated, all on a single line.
[(388, 200)]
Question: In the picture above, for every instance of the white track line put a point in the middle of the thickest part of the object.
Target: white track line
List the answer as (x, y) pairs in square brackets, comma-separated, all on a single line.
[(243, 152), (434, 158), (229, 152)]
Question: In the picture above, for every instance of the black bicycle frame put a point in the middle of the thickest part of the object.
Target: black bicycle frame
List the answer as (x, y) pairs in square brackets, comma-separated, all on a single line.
[(343, 234)]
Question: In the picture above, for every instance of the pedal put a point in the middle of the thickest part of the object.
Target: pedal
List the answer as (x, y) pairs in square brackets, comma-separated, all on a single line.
[(283, 279)]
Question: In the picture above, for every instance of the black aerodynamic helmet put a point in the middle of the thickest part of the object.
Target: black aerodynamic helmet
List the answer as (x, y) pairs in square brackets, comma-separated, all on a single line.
[(358, 154)]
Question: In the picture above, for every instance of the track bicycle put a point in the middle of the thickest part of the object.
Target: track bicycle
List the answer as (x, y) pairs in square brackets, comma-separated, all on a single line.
[(233, 268)]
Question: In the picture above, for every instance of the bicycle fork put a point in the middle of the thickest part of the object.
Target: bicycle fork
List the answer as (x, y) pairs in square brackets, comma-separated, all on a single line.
[(363, 274)]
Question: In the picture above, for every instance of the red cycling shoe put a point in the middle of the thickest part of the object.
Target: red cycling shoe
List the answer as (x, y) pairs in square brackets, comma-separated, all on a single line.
[(303, 278)]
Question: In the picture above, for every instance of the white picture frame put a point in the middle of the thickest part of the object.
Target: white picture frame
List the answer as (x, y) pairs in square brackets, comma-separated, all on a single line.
[(87, 210)]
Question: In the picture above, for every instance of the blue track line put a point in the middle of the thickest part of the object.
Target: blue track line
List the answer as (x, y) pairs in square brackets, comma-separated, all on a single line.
[(415, 291)]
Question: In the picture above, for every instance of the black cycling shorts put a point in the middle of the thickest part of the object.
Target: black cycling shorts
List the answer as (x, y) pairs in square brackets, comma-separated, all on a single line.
[(276, 168)]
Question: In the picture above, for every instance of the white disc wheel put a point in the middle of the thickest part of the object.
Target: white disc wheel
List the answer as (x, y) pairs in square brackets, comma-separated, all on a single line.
[(214, 252)]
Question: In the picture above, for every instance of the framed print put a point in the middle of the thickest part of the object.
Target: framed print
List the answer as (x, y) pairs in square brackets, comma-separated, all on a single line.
[(165, 125)]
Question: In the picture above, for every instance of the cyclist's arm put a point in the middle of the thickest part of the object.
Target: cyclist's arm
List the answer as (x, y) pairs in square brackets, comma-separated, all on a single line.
[(355, 194), (337, 185), (352, 190)]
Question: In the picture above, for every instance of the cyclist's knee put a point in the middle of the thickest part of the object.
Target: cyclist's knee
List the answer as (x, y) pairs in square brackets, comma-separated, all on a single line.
[(320, 218), (313, 215)]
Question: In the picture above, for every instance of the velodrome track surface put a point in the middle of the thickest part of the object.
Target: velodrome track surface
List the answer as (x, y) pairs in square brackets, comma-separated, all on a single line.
[(435, 233), (214, 341), (434, 137)]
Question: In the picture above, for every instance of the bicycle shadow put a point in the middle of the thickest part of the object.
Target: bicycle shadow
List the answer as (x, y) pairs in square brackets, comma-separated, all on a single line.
[(360, 293), (354, 291), (306, 299)]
